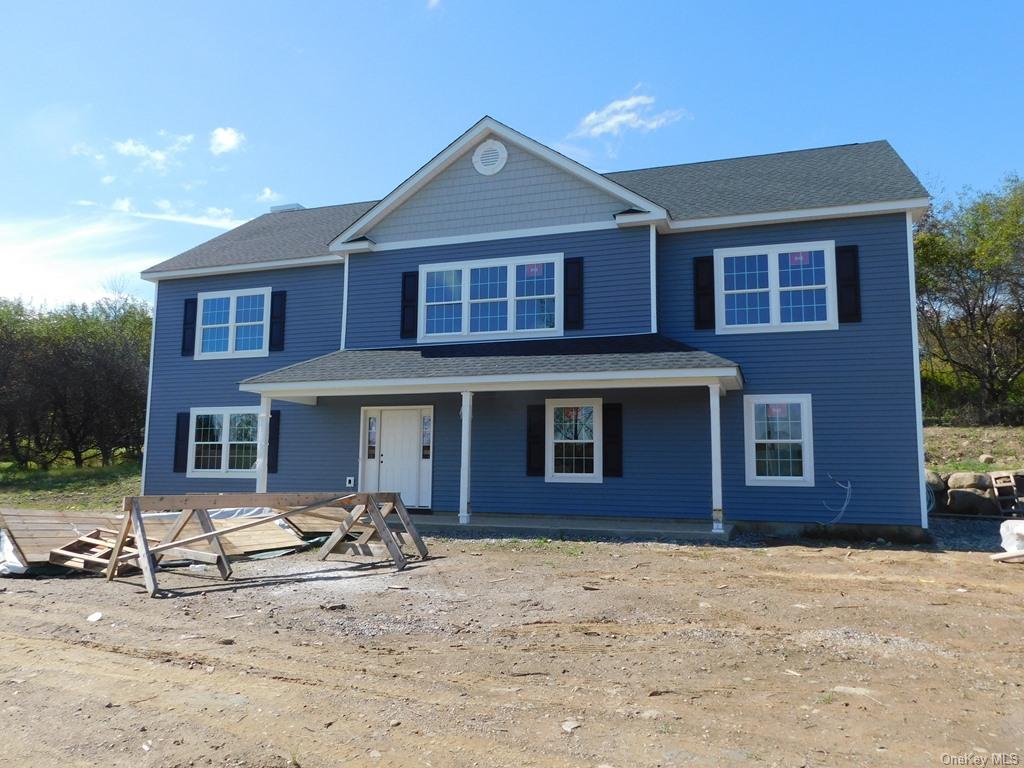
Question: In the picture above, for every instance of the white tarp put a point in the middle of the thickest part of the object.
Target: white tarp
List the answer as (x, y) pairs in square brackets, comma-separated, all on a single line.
[(1012, 534), (10, 563)]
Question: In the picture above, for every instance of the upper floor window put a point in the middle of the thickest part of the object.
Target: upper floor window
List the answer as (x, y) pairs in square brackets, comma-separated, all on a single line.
[(233, 324), (788, 287), (496, 298)]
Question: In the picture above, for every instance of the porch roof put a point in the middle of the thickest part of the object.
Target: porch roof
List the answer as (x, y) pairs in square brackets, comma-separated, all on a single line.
[(564, 363)]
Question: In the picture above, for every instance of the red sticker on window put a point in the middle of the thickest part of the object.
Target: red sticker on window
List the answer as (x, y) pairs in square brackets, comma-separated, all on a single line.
[(799, 258), (534, 270), (778, 410)]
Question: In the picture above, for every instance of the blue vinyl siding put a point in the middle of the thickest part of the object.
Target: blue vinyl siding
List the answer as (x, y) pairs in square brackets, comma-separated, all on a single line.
[(313, 328), (861, 376), (665, 445), (616, 276)]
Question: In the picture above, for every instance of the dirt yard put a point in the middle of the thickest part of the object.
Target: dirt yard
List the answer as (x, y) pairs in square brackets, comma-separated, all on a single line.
[(499, 653)]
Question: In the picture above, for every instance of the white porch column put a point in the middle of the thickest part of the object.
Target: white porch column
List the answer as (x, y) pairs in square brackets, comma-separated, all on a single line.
[(262, 444), (714, 397), (465, 504)]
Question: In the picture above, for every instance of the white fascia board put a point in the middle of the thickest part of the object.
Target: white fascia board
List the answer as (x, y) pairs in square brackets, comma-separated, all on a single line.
[(507, 234), (227, 269), (728, 378), (916, 205), (638, 219), (486, 127)]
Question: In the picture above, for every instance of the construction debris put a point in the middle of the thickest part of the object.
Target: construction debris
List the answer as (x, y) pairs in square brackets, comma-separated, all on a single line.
[(1012, 534)]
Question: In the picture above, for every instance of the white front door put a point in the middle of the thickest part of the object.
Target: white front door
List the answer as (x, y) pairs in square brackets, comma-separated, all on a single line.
[(397, 449)]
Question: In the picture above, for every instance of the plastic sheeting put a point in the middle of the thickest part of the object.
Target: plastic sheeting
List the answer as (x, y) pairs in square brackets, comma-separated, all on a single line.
[(1012, 534), (10, 563)]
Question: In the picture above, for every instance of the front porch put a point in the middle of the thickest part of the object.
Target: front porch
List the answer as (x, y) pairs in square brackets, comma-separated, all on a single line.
[(484, 452)]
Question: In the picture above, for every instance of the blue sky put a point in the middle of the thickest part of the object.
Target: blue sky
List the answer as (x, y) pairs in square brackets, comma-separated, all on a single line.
[(132, 131)]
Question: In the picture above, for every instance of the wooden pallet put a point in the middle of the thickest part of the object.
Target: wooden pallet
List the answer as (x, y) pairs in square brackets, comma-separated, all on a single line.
[(92, 552)]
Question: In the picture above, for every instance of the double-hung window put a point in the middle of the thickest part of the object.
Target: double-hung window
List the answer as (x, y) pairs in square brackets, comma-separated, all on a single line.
[(233, 324), (495, 298), (573, 433), (790, 287), (222, 442), (779, 440)]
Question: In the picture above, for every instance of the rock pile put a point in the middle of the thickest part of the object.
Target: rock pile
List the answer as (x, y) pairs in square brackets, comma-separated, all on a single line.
[(963, 493)]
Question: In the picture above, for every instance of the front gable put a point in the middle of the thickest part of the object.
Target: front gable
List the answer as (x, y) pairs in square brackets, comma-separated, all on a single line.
[(521, 186), (526, 193)]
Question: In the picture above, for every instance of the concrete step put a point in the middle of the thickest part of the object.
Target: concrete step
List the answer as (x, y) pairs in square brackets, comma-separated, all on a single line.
[(550, 526)]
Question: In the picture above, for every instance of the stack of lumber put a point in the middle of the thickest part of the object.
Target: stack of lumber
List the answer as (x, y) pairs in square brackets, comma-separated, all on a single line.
[(35, 532)]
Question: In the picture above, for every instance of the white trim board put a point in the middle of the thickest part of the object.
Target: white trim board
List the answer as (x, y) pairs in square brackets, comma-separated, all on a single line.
[(915, 343), (149, 391), (227, 269), (915, 205), (484, 128), (727, 378)]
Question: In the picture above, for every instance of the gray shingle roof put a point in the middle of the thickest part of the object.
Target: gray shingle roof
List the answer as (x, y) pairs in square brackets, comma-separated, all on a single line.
[(648, 352), (271, 237), (811, 178), (849, 174)]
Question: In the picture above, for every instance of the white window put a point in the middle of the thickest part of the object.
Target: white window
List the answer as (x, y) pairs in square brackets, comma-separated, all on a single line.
[(233, 324), (573, 436), (779, 440), (222, 442), (492, 299), (789, 287)]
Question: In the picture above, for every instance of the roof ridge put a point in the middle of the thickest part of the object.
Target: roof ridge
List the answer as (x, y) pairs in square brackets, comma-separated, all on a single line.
[(748, 157), (321, 207)]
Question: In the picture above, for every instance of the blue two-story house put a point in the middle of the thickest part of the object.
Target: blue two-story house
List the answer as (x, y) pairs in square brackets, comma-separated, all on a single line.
[(511, 332)]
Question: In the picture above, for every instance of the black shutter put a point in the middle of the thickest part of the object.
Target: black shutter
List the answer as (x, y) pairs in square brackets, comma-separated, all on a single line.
[(572, 279), (273, 439), (181, 441), (535, 440), (188, 329), (848, 283), (704, 292), (611, 418), (278, 302), (410, 300)]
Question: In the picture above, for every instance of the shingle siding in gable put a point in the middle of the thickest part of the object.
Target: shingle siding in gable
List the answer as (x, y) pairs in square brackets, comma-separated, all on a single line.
[(179, 383), (527, 192), (616, 273), (861, 376)]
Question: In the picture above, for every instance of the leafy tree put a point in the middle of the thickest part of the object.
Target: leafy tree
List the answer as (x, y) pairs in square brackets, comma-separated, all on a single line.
[(970, 286)]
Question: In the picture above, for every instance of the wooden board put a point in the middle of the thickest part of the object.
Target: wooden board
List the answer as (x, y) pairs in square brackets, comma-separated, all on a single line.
[(36, 532)]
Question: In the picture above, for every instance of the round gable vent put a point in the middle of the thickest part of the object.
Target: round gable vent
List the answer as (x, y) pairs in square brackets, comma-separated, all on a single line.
[(490, 157)]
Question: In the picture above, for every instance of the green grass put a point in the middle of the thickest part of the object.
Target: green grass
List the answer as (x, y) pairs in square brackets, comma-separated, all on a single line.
[(965, 466), (68, 488)]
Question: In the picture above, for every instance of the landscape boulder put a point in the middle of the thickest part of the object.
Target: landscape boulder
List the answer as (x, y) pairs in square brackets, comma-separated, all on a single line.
[(976, 480), (938, 488), (987, 458), (971, 501)]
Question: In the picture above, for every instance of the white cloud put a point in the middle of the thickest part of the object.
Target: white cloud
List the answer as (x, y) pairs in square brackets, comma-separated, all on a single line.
[(635, 112), (81, 149), (216, 218), (224, 140), (70, 259), (154, 159), (432, 4), (86, 203), (268, 196), (108, 179)]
